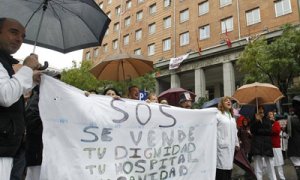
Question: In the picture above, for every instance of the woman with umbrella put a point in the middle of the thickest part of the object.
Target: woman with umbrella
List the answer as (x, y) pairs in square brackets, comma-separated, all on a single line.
[(227, 140)]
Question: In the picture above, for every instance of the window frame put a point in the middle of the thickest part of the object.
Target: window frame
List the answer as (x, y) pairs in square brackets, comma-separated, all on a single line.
[(182, 15), (206, 30), (183, 40), (251, 14), (152, 45), (169, 44), (203, 4)]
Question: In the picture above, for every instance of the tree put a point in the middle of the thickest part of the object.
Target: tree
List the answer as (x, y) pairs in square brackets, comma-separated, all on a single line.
[(275, 61), (80, 77)]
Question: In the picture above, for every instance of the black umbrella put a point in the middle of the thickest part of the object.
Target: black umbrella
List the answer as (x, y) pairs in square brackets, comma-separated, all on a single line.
[(61, 25), (212, 103)]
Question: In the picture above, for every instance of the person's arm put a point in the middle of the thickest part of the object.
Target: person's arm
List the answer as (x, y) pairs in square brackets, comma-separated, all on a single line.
[(12, 88)]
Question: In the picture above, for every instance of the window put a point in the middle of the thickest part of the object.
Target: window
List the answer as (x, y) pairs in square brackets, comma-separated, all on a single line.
[(184, 38), (101, 5), (151, 49), (115, 44), (87, 55), (282, 7), (126, 39), (127, 21), (108, 14), (139, 15), (128, 4), (152, 28), (109, 1), (167, 44), (184, 15), (116, 26), (227, 25), (96, 52), (140, 1), (167, 3), (152, 8), (118, 10), (105, 47), (167, 22), (253, 16), (138, 34), (138, 51), (204, 32), (225, 2), (203, 8), (107, 32)]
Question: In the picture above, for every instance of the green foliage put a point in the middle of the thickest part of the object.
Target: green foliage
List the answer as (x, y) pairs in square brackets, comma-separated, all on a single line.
[(276, 61), (80, 77), (199, 102)]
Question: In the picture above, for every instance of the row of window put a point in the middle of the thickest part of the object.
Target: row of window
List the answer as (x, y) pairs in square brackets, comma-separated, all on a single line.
[(152, 8), (252, 17), (282, 7)]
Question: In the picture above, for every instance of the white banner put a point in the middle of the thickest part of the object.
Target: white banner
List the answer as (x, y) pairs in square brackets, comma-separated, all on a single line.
[(99, 138), (175, 62)]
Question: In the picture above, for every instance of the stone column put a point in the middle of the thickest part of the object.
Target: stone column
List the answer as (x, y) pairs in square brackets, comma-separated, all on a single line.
[(217, 90), (175, 80), (228, 79), (200, 84)]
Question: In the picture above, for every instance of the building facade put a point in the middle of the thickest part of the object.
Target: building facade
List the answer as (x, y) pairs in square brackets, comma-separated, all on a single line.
[(212, 33)]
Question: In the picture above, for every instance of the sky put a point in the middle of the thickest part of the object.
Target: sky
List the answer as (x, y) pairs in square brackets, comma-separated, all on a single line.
[(55, 59)]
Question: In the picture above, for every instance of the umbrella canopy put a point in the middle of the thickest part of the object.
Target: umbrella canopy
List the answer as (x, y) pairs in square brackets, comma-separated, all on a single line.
[(63, 26), (172, 95), (257, 94), (241, 160), (212, 103), (122, 67)]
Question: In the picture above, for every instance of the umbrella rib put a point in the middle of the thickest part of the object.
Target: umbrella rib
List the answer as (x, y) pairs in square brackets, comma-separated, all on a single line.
[(33, 14), (54, 2), (56, 14), (134, 67)]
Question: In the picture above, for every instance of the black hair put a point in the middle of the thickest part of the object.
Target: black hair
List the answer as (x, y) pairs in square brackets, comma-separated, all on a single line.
[(111, 88), (2, 20), (130, 87)]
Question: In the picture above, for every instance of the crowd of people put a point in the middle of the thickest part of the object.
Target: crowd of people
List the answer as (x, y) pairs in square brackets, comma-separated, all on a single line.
[(262, 139)]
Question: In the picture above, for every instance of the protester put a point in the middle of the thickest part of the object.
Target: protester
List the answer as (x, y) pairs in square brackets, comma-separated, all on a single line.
[(133, 92), (152, 98), (111, 92), (284, 141), (13, 86), (261, 145), (294, 139), (185, 100), (278, 159), (227, 140), (244, 135), (164, 101)]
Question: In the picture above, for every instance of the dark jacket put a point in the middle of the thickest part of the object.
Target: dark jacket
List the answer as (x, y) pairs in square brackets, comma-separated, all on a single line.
[(34, 129), (294, 140), (12, 124), (261, 138)]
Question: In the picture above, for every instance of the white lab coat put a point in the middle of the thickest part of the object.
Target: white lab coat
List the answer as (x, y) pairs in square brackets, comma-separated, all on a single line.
[(226, 140), (12, 88)]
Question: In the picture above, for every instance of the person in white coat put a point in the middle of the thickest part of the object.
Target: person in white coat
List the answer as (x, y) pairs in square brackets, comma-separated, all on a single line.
[(227, 140)]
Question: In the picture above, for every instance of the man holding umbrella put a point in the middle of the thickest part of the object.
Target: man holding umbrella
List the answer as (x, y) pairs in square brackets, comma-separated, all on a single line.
[(13, 86), (294, 139)]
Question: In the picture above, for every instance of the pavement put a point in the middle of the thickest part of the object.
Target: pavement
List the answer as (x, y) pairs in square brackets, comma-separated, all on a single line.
[(288, 168)]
